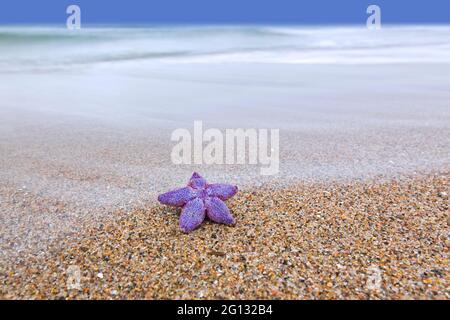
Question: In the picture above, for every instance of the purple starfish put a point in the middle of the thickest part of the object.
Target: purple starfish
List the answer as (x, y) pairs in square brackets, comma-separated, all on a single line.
[(199, 199)]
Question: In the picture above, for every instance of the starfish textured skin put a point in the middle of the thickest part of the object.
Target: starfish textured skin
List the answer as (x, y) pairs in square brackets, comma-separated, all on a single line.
[(199, 200)]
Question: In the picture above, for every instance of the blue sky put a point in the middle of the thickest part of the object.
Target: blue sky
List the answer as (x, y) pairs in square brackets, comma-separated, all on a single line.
[(225, 11)]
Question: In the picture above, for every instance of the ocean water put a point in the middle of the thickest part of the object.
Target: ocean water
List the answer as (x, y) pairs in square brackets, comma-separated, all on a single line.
[(42, 47)]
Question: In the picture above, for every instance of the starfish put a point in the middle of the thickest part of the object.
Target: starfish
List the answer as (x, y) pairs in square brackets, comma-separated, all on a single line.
[(200, 199)]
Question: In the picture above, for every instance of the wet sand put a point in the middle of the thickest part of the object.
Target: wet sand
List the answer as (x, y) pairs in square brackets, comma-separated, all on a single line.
[(362, 240), (78, 145)]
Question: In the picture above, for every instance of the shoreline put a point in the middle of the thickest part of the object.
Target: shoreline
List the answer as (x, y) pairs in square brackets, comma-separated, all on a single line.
[(302, 242)]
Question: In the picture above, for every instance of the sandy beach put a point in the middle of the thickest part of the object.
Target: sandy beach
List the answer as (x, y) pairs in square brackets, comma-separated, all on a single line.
[(385, 240), (358, 210)]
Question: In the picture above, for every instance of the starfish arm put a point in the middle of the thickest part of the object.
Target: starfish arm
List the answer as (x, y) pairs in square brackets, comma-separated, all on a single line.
[(192, 215), (218, 211), (178, 197), (222, 191), (197, 181)]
